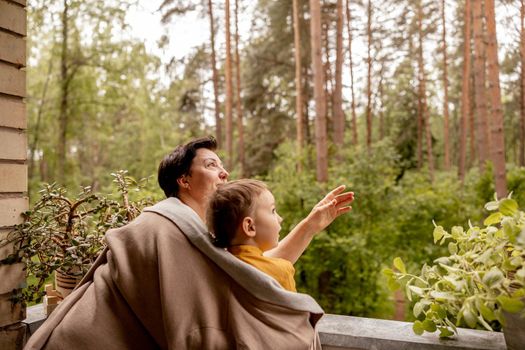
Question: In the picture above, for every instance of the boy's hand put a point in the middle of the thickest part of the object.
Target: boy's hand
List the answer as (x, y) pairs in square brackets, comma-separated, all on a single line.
[(334, 204)]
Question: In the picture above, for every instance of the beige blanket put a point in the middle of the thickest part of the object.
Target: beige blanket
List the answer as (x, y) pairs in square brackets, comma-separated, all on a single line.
[(160, 283)]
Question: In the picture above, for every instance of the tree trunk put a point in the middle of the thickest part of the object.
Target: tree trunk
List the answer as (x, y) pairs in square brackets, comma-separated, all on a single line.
[(480, 98), (215, 77), (240, 128), (328, 82), (339, 119), (36, 131), (351, 63), (380, 109), (423, 117), (497, 150), (369, 77), (445, 90), (472, 98), (229, 92), (465, 95), (306, 119), (64, 96), (320, 102), (298, 85), (419, 99), (522, 85)]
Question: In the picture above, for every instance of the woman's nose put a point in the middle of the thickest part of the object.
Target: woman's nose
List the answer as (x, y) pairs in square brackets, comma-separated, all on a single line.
[(224, 174)]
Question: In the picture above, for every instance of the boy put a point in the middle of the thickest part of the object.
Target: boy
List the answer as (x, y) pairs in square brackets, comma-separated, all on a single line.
[(242, 218)]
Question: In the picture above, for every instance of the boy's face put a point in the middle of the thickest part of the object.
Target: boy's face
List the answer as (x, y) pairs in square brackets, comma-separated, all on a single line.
[(266, 221)]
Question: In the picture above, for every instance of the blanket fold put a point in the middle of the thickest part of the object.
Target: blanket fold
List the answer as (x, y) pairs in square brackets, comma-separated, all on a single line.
[(160, 283)]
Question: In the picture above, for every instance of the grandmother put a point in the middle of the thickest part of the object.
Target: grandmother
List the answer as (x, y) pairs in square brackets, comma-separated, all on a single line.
[(160, 283)]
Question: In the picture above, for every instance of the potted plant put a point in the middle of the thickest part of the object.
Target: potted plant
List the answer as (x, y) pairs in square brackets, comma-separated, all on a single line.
[(63, 236), (477, 283)]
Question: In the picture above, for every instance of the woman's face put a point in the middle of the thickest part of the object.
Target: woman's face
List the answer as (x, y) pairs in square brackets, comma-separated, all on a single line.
[(206, 172)]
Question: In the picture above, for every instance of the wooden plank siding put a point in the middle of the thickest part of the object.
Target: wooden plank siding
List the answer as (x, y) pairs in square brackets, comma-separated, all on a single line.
[(12, 80), (13, 144), (12, 112), (13, 161), (12, 49), (13, 17)]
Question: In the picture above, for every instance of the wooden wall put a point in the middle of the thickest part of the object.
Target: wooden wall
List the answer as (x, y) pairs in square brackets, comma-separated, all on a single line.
[(13, 160)]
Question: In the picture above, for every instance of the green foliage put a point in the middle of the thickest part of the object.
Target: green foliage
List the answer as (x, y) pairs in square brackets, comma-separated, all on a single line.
[(67, 233), (390, 217), (482, 275)]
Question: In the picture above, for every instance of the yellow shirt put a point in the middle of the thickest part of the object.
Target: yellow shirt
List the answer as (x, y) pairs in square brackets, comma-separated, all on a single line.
[(280, 269)]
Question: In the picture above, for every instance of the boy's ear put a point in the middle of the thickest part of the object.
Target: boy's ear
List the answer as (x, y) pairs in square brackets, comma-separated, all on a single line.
[(248, 226)]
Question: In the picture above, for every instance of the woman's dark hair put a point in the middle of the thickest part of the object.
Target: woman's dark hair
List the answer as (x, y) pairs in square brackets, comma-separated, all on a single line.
[(229, 205), (178, 163)]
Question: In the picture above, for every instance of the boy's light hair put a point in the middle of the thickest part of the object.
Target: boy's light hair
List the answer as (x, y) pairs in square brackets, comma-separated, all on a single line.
[(229, 205)]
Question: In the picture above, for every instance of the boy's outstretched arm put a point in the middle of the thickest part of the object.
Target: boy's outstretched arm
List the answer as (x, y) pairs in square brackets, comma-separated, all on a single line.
[(334, 204)]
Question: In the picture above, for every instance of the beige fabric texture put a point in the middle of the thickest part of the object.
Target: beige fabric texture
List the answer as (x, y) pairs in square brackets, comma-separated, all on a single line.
[(161, 284)]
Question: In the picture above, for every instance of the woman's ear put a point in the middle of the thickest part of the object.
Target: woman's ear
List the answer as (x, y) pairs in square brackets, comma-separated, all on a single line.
[(183, 182), (248, 226)]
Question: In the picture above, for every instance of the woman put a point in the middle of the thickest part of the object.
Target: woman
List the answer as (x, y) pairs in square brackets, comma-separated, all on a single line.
[(160, 283)]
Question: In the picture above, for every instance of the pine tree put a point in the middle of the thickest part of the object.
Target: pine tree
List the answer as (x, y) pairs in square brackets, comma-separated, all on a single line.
[(319, 96)]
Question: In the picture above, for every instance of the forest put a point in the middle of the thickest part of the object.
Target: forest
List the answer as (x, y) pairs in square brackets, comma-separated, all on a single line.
[(417, 106)]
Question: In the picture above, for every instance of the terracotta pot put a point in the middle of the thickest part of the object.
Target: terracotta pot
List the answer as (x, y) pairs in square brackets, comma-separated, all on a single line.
[(64, 283), (514, 331)]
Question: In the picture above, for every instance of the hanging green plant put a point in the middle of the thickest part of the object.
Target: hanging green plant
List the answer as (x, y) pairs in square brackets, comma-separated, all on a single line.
[(482, 277)]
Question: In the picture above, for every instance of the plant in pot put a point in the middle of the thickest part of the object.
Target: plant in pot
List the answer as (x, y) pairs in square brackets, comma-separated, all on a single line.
[(479, 284), (63, 235)]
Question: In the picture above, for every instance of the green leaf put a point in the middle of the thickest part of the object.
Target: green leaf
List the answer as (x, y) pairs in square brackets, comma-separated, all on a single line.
[(510, 304), (439, 232), (486, 312), (398, 263), (392, 284), (509, 228), (521, 274), (445, 332), (417, 290), (429, 325), (508, 207), (469, 317), (491, 206), (493, 278), (457, 232), (439, 310), (387, 272), (483, 258), (408, 293), (519, 293), (494, 218), (442, 296), (418, 309), (418, 328)]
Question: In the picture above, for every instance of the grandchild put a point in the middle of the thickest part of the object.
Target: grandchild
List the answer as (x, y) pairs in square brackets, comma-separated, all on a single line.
[(242, 218)]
